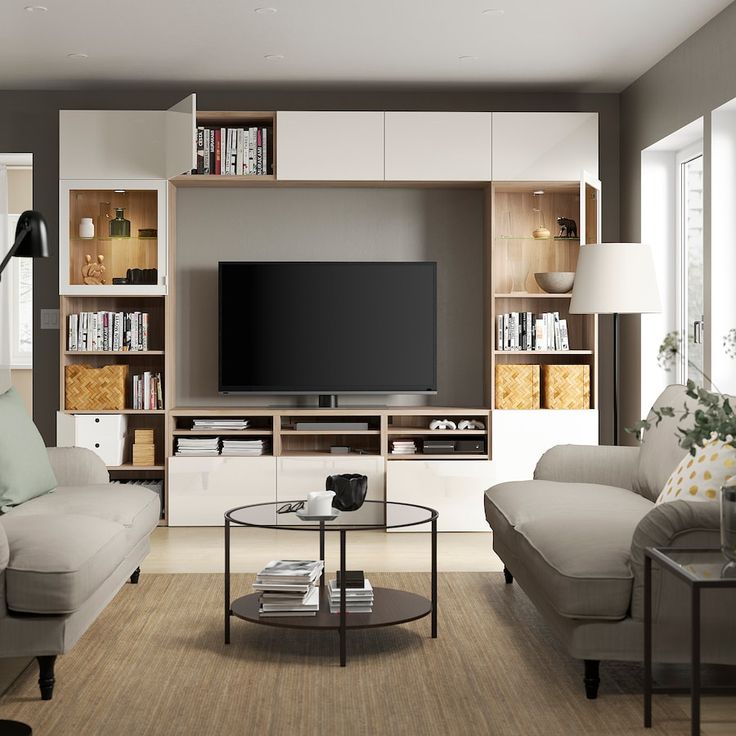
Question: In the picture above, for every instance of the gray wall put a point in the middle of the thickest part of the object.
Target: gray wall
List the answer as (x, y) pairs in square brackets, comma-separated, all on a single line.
[(331, 224), (695, 78), (29, 123)]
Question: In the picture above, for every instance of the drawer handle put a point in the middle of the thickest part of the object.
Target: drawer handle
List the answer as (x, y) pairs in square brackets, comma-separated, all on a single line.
[(97, 420), (97, 444)]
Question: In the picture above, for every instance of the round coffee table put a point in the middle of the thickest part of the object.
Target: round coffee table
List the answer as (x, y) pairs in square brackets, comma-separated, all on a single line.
[(390, 606)]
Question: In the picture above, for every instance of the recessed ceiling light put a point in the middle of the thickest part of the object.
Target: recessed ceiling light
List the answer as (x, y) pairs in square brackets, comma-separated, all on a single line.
[(467, 57), (119, 191), (77, 55), (35, 8), (273, 57), (497, 12), (266, 11)]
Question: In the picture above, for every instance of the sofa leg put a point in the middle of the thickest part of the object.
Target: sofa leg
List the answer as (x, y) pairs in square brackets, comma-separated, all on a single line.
[(592, 680), (135, 576), (508, 577), (46, 676)]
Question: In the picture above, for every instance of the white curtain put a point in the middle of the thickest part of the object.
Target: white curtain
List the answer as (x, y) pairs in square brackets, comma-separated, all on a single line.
[(5, 313)]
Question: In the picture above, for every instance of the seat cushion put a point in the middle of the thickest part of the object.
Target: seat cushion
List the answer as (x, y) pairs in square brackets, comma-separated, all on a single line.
[(133, 507), (575, 537), (57, 562)]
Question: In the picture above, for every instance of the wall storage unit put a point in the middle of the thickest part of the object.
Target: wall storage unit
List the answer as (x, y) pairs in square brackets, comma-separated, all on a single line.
[(438, 146), (330, 146)]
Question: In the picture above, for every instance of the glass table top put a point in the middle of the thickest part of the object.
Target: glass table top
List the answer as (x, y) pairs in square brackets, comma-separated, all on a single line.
[(699, 565), (371, 515)]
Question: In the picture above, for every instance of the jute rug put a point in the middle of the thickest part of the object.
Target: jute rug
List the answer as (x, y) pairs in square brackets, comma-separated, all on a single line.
[(154, 663)]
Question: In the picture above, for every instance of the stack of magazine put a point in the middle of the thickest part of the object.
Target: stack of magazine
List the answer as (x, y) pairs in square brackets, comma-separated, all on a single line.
[(245, 448), (289, 588), (403, 447), (220, 424), (197, 446), (357, 600)]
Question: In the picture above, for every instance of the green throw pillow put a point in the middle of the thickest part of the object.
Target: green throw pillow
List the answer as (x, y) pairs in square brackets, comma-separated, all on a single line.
[(25, 471)]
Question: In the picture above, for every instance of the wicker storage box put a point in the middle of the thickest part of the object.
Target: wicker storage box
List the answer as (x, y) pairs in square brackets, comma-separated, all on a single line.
[(95, 389), (566, 386), (517, 386)]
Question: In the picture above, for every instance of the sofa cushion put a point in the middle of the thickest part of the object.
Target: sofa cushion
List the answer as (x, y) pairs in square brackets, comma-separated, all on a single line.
[(26, 471), (57, 562), (133, 507), (576, 537), (699, 477)]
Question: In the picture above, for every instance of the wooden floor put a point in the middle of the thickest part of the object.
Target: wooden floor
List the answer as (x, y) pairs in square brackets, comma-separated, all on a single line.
[(200, 549)]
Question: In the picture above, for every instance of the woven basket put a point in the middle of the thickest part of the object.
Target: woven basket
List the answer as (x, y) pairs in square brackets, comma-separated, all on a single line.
[(517, 386), (566, 386), (95, 389)]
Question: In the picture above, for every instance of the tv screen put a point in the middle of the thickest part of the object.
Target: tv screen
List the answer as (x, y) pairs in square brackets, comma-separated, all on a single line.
[(327, 327)]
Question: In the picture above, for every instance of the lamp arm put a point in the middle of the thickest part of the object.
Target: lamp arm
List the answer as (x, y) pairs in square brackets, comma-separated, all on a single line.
[(18, 240)]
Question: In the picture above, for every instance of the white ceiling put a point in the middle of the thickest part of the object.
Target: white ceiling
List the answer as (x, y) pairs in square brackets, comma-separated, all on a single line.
[(585, 45)]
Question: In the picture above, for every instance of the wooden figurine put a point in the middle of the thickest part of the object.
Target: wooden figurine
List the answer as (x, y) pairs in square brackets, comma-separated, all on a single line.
[(568, 227), (93, 273)]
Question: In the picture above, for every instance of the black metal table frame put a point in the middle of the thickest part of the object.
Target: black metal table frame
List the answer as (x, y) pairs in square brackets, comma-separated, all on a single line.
[(659, 554), (343, 544)]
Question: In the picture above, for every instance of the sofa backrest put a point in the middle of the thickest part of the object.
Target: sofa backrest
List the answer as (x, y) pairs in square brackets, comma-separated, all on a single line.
[(660, 449)]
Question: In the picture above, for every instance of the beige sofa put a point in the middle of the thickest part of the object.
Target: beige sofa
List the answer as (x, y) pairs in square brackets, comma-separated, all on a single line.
[(64, 556), (574, 539)]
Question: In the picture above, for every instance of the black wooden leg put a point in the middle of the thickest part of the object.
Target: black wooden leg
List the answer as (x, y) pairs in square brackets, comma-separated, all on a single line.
[(135, 576), (592, 680), (46, 675), (343, 602), (508, 577)]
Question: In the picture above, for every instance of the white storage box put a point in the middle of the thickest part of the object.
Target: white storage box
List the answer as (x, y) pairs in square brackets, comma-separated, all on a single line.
[(101, 433)]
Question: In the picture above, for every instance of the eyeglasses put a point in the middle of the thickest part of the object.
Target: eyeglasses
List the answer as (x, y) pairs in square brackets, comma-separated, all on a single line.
[(290, 508)]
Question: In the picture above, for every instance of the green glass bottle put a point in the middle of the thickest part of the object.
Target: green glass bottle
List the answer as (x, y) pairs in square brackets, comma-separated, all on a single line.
[(119, 227)]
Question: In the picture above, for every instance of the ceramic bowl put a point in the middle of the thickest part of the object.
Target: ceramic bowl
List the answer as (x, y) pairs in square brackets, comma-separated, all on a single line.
[(555, 282)]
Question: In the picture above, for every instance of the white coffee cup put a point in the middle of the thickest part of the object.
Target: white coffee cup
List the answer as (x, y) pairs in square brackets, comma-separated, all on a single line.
[(319, 503)]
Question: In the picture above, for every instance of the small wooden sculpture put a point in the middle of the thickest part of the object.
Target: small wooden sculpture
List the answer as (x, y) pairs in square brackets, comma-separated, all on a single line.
[(92, 273), (568, 227)]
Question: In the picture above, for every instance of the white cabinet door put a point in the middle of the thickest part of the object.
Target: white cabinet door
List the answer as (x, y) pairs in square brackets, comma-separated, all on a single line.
[(520, 438), (202, 489), (438, 146), (296, 477), (329, 146), (180, 122), (544, 146), (454, 488)]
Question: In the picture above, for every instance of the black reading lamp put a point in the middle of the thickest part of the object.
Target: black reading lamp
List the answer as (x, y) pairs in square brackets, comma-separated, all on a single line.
[(31, 240)]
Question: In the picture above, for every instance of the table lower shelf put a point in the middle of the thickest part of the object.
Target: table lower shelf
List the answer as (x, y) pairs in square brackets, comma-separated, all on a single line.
[(390, 607)]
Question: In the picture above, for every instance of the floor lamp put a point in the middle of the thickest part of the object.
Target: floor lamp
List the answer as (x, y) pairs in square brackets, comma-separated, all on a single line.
[(31, 240), (615, 278)]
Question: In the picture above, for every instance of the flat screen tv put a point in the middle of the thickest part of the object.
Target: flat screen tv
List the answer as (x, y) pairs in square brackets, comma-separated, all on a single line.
[(327, 328)]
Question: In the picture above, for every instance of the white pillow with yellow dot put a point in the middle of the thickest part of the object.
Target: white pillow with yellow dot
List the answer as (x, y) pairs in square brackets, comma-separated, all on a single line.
[(700, 477)]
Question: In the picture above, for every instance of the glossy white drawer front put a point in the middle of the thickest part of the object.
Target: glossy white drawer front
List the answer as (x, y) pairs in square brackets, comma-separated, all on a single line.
[(201, 489), (299, 476), (454, 488)]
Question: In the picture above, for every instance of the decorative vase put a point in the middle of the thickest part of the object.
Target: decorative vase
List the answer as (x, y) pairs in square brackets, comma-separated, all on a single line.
[(119, 227), (103, 221), (728, 519), (86, 228), (350, 490)]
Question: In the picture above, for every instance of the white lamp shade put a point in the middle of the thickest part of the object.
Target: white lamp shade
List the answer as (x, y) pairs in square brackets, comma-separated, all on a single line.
[(615, 278)]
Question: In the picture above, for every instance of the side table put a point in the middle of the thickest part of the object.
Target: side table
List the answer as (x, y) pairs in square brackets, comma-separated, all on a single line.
[(699, 568)]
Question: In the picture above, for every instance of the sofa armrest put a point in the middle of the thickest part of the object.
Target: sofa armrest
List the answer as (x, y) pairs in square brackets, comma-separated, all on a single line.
[(673, 524), (77, 466), (603, 464)]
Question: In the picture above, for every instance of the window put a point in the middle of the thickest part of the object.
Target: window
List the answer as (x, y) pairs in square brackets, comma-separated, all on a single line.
[(20, 281)]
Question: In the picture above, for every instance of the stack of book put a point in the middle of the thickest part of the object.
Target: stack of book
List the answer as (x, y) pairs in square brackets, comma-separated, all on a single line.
[(357, 600), (289, 588), (245, 448), (403, 447), (220, 424), (529, 331), (233, 151), (109, 331), (197, 447), (147, 391)]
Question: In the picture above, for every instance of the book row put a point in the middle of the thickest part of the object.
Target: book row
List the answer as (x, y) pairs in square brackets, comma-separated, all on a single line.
[(233, 151), (148, 392), (529, 331), (92, 331)]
